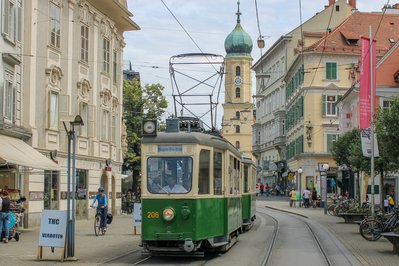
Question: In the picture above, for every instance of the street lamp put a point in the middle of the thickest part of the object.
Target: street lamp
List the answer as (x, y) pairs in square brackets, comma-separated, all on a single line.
[(73, 121), (324, 185), (300, 186)]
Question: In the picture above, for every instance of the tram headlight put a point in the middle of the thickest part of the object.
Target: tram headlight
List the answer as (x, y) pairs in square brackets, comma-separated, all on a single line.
[(168, 214)]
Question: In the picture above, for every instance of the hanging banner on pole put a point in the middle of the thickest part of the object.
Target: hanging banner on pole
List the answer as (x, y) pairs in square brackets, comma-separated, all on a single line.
[(365, 95)]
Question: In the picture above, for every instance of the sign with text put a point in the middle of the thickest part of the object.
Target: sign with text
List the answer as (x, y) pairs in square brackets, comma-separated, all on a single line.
[(53, 228), (137, 214)]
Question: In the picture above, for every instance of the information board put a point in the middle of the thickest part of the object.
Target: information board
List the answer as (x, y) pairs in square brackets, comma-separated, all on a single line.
[(137, 214), (53, 228)]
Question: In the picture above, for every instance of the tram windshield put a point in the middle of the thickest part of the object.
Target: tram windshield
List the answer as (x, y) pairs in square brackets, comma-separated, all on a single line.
[(169, 175)]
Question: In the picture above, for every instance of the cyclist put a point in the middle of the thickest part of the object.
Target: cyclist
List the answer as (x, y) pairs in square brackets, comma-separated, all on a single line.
[(102, 205)]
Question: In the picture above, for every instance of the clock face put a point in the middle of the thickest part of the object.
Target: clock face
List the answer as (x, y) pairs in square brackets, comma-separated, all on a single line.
[(237, 80), (149, 127)]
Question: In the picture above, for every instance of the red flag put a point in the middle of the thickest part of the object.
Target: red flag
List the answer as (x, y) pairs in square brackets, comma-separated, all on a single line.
[(365, 86)]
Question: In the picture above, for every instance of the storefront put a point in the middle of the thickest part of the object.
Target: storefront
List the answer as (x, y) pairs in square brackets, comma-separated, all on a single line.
[(22, 171)]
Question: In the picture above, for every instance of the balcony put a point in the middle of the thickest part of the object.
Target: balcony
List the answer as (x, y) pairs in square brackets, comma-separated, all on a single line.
[(279, 141)]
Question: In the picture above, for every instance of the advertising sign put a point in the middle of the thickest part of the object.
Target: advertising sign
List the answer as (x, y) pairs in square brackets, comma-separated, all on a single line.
[(53, 228), (137, 214)]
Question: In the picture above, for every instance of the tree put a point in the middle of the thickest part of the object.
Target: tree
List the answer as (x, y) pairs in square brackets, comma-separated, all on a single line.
[(139, 103), (387, 127)]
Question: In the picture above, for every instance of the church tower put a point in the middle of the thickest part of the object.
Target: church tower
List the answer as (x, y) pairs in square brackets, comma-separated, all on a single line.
[(237, 107)]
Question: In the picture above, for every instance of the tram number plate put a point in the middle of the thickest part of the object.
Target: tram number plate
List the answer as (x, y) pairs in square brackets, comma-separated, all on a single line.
[(153, 215)]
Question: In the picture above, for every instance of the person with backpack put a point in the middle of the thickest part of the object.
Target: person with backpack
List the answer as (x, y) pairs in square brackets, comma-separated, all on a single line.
[(102, 206), (5, 215)]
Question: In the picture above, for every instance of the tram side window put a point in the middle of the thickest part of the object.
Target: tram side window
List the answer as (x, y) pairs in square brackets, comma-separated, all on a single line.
[(217, 173), (231, 174), (203, 175), (236, 176), (246, 173)]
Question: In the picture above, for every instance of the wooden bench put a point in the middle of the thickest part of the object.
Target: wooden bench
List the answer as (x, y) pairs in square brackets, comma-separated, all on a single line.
[(394, 239), (352, 217)]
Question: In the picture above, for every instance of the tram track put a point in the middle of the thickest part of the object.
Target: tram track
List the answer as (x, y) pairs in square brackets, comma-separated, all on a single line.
[(271, 247)]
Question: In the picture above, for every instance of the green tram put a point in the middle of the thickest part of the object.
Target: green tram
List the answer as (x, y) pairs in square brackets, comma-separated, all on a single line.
[(198, 193)]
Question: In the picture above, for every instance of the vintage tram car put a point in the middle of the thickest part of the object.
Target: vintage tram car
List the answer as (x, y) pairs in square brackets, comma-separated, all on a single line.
[(198, 192)]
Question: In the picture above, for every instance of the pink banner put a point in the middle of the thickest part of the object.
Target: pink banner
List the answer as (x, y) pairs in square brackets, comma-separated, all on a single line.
[(365, 88)]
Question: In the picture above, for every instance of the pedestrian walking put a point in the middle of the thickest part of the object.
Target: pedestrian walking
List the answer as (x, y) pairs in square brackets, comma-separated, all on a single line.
[(262, 187), (306, 197), (267, 190), (391, 202), (386, 204), (314, 197), (292, 198), (5, 216)]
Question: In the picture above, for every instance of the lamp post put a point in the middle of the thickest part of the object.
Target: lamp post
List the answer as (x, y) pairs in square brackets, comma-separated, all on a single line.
[(324, 185), (73, 121), (300, 186)]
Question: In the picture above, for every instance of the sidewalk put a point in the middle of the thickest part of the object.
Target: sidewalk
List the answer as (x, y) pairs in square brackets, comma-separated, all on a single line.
[(368, 252), (89, 249)]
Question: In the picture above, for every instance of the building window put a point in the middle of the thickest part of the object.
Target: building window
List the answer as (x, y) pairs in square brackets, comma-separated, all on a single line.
[(238, 92), (237, 144), (238, 71), (115, 67), (11, 20), (84, 113), (53, 123), (55, 26), (386, 105), (51, 190), (113, 129), (331, 70), (9, 98), (105, 125), (237, 129), (106, 55), (331, 138), (331, 109), (84, 50), (238, 114)]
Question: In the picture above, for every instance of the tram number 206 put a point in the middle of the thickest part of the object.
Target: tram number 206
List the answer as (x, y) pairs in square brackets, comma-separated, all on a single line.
[(153, 215)]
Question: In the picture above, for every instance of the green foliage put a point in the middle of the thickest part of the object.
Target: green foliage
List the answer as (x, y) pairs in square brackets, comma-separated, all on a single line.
[(387, 127), (139, 102), (359, 210)]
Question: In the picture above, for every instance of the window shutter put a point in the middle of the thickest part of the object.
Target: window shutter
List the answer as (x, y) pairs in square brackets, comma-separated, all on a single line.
[(13, 103), (2, 100), (323, 104), (6, 7), (339, 97), (91, 124), (18, 29), (63, 109), (329, 142)]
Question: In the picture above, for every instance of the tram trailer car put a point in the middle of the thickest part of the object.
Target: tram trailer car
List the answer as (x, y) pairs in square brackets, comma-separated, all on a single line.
[(192, 193)]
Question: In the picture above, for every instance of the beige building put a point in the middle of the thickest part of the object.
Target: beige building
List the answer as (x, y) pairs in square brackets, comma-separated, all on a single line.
[(270, 130), (72, 65), (237, 108)]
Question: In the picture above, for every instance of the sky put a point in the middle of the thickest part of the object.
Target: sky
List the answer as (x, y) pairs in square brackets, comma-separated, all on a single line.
[(208, 22)]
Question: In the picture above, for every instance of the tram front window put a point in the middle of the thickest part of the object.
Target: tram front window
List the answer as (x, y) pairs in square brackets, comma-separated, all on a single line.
[(172, 175)]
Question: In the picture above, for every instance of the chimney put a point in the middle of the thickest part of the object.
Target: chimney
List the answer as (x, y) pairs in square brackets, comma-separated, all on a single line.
[(331, 2), (352, 3)]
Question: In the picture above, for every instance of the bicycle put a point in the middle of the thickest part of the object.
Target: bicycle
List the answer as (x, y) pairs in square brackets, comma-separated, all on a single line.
[(98, 228), (371, 229)]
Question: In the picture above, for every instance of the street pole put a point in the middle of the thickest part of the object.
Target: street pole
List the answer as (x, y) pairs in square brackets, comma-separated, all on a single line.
[(69, 230), (372, 124), (323, 174), (300, 186), (73, 190)]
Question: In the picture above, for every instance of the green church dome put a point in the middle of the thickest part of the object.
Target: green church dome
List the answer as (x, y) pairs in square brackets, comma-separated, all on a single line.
[(238, 41)]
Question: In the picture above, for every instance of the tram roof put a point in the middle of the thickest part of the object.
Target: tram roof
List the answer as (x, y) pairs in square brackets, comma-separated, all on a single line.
[(191, 138)]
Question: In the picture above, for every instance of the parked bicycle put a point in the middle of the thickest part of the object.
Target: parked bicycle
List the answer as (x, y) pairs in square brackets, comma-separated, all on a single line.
[(371, 228)]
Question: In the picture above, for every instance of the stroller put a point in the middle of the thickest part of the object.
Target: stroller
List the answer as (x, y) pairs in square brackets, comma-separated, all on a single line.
[(12, 227)]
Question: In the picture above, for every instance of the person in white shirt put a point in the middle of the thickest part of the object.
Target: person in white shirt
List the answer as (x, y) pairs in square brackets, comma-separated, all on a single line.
[(306, 196), (172, 187)]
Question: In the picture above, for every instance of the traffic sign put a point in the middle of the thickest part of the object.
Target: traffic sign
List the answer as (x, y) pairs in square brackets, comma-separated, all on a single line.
[(258, 169)]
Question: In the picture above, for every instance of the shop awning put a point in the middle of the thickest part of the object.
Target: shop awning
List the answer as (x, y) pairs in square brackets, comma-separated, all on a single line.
[(16, 151)]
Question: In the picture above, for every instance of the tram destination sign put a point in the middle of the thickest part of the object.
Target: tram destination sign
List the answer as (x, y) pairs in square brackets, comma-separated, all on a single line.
[(170, 148)]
